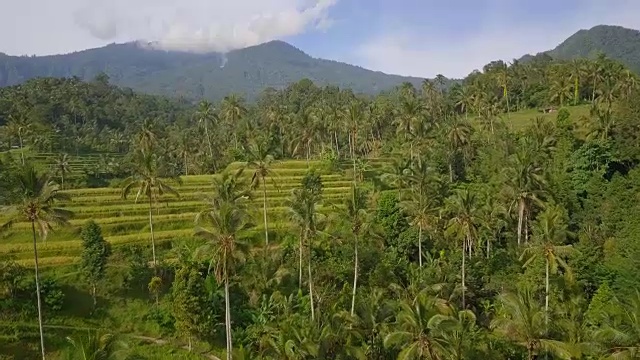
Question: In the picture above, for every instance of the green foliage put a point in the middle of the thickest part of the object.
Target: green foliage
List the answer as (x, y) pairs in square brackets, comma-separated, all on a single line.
[(95, 252), (192, 307)]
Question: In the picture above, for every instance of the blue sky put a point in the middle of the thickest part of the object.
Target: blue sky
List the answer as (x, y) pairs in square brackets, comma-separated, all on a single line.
[(408, 37)]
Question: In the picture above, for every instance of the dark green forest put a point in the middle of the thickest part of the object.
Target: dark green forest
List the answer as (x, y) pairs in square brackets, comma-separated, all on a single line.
[(463, 232)]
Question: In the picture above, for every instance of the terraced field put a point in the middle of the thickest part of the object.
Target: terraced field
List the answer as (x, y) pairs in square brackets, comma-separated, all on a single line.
[(125, 222)]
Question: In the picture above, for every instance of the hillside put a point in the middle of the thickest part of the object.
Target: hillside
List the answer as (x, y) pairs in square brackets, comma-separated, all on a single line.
[(213, 76), (615, 42)]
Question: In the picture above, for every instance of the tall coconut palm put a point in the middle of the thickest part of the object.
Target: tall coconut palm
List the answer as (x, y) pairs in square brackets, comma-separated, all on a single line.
[(420, 207), (576, 73), (560, 88), (205, 116), (408, 119), (39, 195), (225, 220), (261, 161), (361, 221), (550, 234), (459, 136), (148, 181), (233, 110), (62, 167), (19, 127), (354, 116), (464, 222), (417, 330), (522, 320), (303, 211), (503, 78), (464, 99)]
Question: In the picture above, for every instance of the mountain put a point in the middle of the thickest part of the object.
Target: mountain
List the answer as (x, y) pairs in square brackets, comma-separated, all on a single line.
[(247, 71), (615, 42)]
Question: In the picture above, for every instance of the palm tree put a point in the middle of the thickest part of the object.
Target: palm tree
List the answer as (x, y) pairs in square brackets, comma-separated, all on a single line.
[(205, 115), (226, 221), (576, 72), (522, 320), (148, 182), (303, 212), (464, 99), (417, 329), (524, 186), (38, 197), (96, 347), (354, 116), (503, 77), (408, 119), (551, 232), (463, 224), (62, 167), (621, 330), (560, 88), (233, 110), (147, 136), (261, 161), (459, 136), (19, 127), (361, 221), (420, 206)]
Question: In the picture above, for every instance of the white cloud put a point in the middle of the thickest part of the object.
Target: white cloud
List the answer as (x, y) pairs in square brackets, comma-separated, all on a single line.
[(192, 25), (412, 51)]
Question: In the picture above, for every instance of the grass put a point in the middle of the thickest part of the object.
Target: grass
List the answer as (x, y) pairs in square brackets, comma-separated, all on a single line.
[(520, 120)]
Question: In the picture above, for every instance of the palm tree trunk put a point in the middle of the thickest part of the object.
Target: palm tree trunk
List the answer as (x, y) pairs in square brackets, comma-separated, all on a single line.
[(576, 93), (546, 296), (206, 133), (153, 240), (335, 135), (488, 246), (313, 314), (264, 210), (451, 170), (520, 220), (355, 276), (526, 227), (21, 148), (227, 308), (302, 239), (463, 271), (62, 179), (35, 257), (186, 165), (420, 245), (93, 294)]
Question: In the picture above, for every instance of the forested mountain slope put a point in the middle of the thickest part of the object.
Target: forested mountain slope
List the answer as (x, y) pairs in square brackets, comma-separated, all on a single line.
[(212, 76), (616, 42)]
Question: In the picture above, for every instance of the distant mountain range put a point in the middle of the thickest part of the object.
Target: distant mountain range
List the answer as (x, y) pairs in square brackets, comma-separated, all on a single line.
[(247, 71), (273, 64), (616, 42)]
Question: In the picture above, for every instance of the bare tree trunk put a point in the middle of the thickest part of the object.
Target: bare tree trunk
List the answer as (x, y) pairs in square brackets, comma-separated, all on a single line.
[(463, 271), (355, 276), (206, 133), (546, 296), (520, 220), (153, 240), (300, 247), (22, 157), (313, 314), (335, 135), (227, 308), (450, 171), (264, 210), (186, 169), (35, 258), (420, 245), (526, 227)]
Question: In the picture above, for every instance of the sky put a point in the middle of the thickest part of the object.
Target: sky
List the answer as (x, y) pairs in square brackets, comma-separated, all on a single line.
[(407, 37)]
